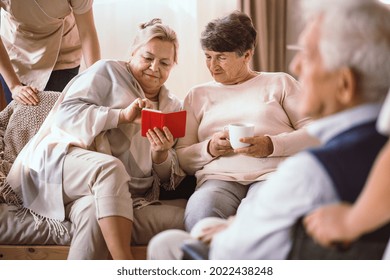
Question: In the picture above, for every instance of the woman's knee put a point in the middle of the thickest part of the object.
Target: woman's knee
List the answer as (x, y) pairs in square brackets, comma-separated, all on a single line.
[(112, 166), (209, 202), (111, 180), (155, 218)]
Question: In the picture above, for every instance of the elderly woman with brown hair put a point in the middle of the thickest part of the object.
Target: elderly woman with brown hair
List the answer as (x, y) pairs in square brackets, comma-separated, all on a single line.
[(89, 161), (238, 94)]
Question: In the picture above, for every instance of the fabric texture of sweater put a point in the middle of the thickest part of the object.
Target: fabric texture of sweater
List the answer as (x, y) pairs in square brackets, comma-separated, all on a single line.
[(268, 100)]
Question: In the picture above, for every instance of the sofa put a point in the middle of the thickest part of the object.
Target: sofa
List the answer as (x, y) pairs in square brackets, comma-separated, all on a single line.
[(20, 238)]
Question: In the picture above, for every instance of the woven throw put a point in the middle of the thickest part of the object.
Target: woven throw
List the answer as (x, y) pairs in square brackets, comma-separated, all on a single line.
[(18, 124)]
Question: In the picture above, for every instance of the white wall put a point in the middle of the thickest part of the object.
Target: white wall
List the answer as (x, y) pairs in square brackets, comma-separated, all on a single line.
[(294, 27), (117, 22)]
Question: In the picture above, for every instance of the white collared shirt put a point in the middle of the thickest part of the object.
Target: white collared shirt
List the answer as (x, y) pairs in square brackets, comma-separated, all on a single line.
[(262, 226)]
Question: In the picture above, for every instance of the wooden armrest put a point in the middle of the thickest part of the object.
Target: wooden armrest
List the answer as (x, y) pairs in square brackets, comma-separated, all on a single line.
[(50, 252)]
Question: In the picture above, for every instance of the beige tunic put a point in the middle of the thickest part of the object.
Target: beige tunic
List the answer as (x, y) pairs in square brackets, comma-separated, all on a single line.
[(86, 115), (41, 36)]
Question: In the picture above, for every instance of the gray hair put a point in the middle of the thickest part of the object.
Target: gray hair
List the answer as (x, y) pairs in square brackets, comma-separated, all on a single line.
[(155, 29), (356, 34)]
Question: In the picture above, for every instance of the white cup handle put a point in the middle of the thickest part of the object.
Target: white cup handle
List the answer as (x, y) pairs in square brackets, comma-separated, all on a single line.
[(226, 128)]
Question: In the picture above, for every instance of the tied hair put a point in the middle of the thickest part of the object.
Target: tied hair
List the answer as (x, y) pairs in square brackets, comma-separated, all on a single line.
[(150, 23)]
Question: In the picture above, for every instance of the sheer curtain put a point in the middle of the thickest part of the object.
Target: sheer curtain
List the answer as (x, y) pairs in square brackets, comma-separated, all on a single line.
[(269, 18), (117, 22)]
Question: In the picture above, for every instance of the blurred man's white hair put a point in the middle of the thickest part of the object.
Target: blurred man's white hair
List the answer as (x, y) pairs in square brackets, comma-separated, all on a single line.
[(355, 34), (313, 7)]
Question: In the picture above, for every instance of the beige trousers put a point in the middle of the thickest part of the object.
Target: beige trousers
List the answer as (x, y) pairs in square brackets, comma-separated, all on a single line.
[(95, 186), (88, 242)]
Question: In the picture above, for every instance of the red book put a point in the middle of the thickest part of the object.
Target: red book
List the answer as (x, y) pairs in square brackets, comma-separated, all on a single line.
[(175, 121)]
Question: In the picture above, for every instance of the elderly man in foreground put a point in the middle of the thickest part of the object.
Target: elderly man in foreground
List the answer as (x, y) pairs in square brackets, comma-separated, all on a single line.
[(343, 66)]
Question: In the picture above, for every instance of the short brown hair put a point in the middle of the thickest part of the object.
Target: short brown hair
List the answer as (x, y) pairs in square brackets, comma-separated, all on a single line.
[(232, 33)]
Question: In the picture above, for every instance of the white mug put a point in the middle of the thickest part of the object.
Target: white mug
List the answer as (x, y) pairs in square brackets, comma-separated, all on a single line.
[(240, 130)]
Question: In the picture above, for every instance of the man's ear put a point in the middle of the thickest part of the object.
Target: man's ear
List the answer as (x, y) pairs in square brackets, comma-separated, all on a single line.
[(347, 94)]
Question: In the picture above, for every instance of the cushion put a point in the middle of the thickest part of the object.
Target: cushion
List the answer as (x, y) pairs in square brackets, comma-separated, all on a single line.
[(21, 231)]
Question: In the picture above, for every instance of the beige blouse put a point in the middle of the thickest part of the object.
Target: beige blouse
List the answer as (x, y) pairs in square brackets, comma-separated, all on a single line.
[(41, 36), (269, 101)]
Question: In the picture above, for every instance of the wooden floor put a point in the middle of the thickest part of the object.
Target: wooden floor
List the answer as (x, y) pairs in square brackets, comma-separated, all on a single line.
[(19, 252)]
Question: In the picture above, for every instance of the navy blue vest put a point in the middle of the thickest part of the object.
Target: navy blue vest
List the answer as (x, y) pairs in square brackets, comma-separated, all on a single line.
[(348, 158)]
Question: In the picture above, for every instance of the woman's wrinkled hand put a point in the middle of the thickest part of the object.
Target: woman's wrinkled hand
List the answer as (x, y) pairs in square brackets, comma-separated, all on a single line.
[(132, 113), (219, 144), (25, 95), (160, 142), (260, 146)]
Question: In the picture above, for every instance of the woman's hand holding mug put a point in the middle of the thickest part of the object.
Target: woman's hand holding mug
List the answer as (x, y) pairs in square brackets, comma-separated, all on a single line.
[(219, 144), (238, 131), (260, 146), (243, 140)]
